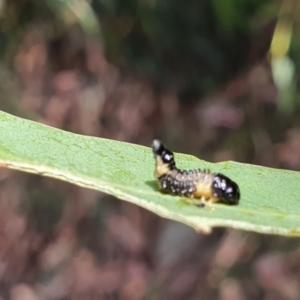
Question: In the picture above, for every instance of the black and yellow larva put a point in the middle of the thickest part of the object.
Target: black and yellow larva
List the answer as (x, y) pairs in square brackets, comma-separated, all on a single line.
[(200, 185)]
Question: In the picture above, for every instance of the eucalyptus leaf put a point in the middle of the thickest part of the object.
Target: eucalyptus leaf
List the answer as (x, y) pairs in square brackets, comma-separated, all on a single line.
[(270, 198)]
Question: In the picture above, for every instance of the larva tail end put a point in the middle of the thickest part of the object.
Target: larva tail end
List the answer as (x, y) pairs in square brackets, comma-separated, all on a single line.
[(157, 146), (165, 155)]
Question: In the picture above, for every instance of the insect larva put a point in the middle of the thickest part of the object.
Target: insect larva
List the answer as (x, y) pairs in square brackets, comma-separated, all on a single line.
[(203, 185)]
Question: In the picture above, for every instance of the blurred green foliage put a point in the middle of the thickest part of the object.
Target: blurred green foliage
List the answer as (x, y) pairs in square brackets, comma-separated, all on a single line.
[(190, 45)]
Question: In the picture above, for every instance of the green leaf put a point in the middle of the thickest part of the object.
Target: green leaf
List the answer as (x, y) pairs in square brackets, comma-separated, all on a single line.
[(73, 11), (270, 201)]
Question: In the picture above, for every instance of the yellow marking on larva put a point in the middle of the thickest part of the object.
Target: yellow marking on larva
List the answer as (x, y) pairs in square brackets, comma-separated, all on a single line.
[(204, 187), (161, 168)]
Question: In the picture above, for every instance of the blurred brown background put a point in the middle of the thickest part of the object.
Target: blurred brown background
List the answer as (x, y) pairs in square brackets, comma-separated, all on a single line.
[(201, 75)]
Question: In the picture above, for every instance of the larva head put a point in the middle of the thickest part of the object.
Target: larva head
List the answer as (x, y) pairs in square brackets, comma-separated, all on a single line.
[(225, 189), (163, 155)]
